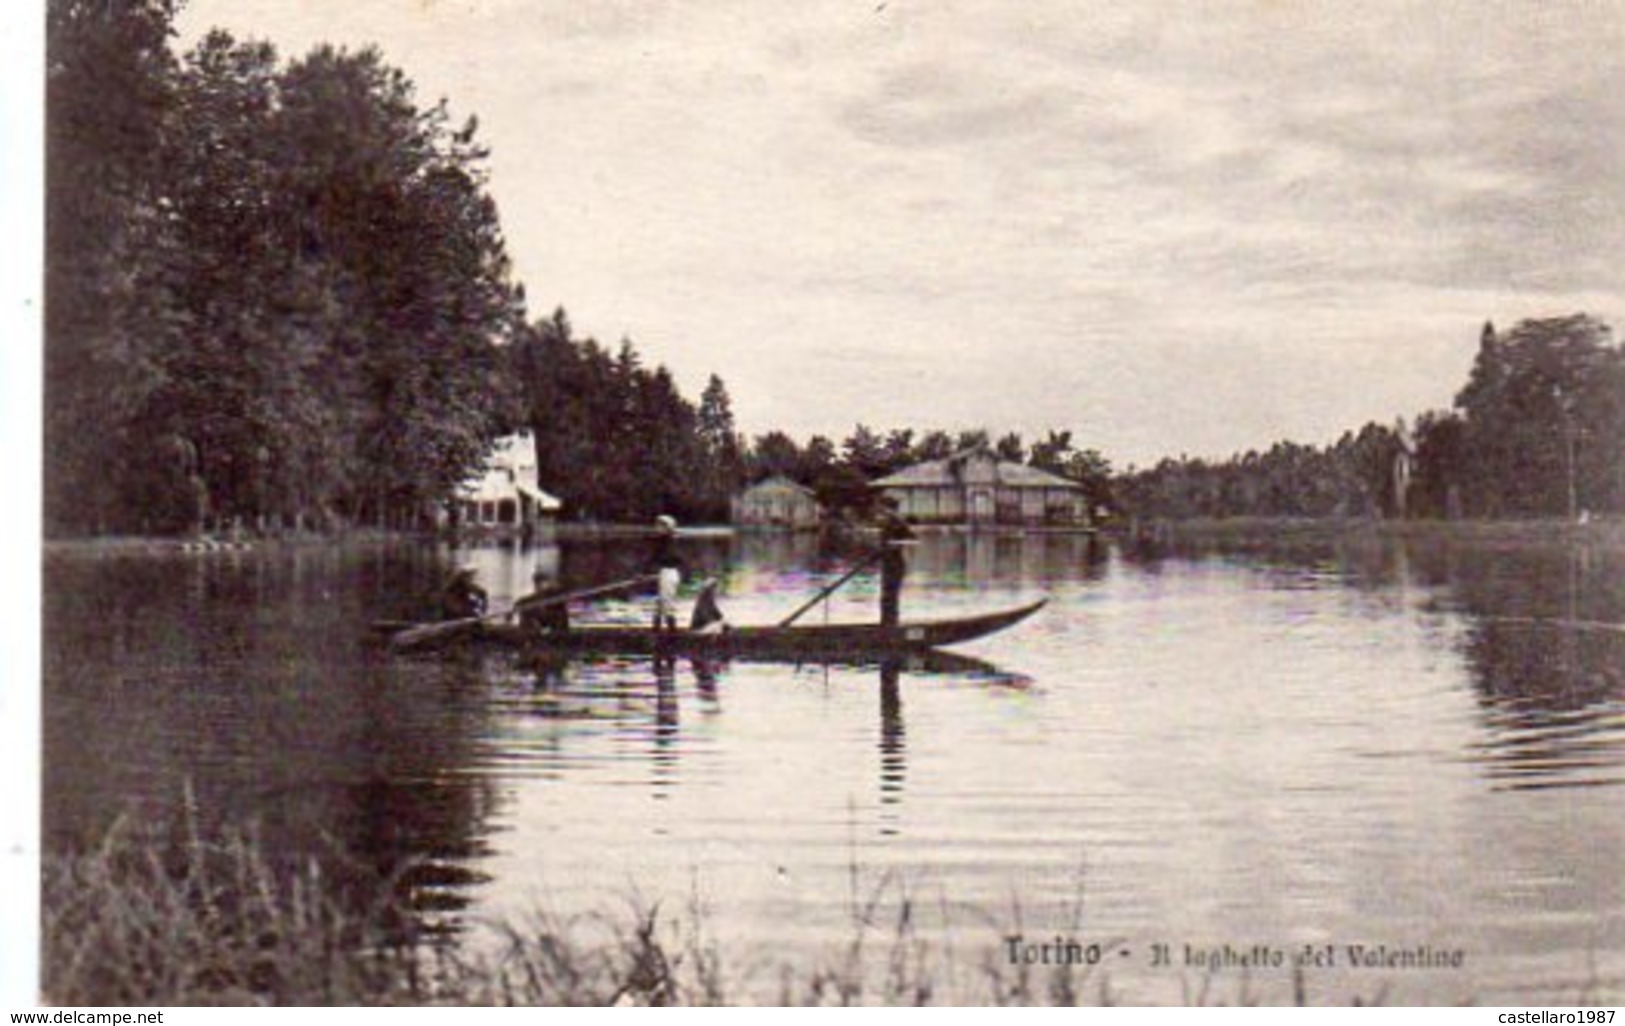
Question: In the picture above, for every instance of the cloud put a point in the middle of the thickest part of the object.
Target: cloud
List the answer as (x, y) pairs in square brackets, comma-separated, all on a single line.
[(1184, 227)]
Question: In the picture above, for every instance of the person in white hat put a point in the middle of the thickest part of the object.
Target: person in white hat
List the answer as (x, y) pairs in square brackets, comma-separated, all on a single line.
[(667, 566)]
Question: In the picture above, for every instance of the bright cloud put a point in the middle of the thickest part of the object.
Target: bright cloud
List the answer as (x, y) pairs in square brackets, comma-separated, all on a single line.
[(1172, 228)]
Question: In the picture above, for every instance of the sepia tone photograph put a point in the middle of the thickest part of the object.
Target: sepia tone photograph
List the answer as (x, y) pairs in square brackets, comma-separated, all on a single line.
[(860, 502)]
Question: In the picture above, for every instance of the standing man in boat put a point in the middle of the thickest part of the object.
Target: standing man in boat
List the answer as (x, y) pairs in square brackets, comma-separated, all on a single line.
[(667, 566), (894, 534)]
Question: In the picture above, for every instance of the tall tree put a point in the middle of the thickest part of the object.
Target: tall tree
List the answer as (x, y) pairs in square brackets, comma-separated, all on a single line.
[(934, 445), (1538, 418), (110, 84), (1010, 447), (865, 452), (723, 470), (775, 454)]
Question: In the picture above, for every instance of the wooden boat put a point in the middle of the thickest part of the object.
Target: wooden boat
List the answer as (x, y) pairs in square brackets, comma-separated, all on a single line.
[(839, 641)]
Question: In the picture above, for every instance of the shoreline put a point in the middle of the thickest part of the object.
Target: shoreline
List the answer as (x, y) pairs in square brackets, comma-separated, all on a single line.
[(134, 544), (1601, 532), (1605, 532)]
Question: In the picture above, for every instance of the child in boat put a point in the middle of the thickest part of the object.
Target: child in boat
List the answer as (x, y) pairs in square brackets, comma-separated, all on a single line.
[(707, 618)]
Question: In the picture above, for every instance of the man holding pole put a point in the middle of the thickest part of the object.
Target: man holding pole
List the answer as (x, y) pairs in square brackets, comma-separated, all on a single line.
[(894, 534)]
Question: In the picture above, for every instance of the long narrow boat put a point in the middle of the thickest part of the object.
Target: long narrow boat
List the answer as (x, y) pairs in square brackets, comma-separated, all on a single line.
[(817, 641)]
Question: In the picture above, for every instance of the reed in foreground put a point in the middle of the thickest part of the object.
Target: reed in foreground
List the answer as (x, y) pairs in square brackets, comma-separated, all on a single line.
[(190, 922)]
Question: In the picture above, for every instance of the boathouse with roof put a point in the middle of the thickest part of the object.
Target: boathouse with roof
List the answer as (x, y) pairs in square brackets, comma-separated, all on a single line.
[(974, 488), (777, 502)]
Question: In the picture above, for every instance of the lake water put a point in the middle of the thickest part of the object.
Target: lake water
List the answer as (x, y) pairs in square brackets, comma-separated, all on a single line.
[(1366, 743)]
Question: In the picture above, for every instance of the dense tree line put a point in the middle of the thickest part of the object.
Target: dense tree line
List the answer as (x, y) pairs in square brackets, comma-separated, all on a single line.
[(278, 294), (617, 439), (1538, 430), (1352, 477), (276, 289)]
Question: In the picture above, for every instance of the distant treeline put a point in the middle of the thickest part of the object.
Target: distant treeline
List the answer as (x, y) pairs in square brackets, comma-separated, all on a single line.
[(1537, 431)]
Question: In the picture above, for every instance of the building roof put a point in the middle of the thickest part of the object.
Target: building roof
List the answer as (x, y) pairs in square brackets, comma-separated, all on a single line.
[(779, 482), (947, 473)]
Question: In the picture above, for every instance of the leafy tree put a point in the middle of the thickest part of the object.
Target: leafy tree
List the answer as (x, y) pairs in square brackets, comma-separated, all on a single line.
[(898, 450), (865, 452), (973, 438), (1440, 459), (1094, 472), (109, 91), (724, 455), (1011, 448), (816, 459), (1053, 453), (1540, 407), (1540, 432), (276, 291), (775, 454), (934, 445)]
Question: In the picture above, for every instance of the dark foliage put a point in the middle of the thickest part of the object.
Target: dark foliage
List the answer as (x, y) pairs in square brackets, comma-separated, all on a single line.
[(1538, 431), (277, 289)]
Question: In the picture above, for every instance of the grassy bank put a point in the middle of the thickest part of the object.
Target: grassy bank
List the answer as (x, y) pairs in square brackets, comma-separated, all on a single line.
[(189, 922), (1601, 532)]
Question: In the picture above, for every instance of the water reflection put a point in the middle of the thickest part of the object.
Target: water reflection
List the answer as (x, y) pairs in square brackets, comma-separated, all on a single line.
[(1540, 628), (583, 700), (1194, 713), (1545, 647), (893, 741), (236, 694)]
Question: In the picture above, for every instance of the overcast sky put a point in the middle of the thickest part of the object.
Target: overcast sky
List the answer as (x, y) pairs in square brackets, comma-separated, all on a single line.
[(1189, 228)]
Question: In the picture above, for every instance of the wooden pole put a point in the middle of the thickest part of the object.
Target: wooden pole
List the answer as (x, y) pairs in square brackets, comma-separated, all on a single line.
[(826, 592), (423, 634)]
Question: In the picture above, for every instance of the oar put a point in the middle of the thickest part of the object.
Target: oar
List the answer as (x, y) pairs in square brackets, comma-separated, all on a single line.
[(822, 595), (422, 634)]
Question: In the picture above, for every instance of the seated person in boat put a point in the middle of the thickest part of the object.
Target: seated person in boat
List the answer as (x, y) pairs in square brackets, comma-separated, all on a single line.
[(707, 618), (463, 598), (541, 612)]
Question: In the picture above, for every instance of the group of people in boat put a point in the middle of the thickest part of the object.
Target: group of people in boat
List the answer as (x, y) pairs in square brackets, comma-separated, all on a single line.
[(546, 611)]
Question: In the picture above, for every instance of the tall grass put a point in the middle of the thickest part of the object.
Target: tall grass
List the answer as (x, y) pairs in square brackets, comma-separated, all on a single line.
[(186, 921), (181, 920)]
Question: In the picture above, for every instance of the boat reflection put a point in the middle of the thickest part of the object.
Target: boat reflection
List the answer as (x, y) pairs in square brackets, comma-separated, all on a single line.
[(893, 744), (640, 701)]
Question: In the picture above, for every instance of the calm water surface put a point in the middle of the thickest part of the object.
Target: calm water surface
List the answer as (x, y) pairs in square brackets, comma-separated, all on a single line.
[(1364, 743)]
